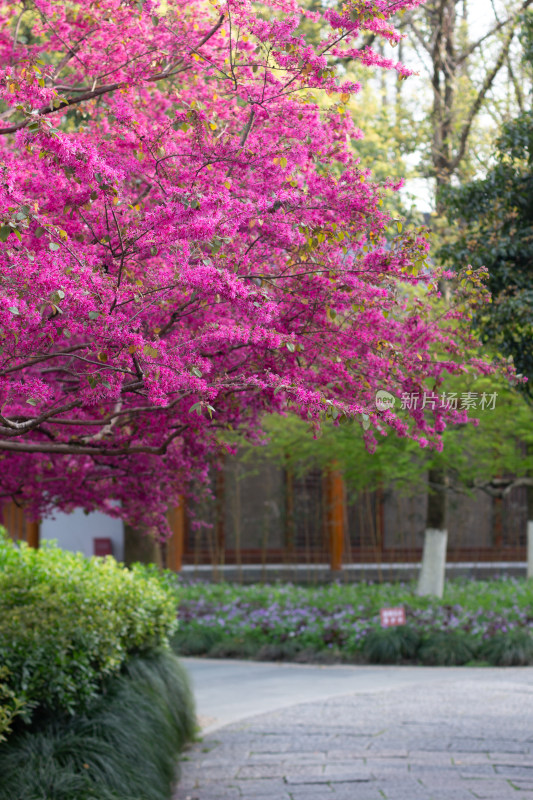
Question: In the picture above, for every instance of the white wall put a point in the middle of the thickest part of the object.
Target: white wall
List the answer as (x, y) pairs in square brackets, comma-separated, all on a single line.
[(76, 531)]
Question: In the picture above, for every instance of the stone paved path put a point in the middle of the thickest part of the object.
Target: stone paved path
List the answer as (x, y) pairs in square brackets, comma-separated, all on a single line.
[(455, 739)]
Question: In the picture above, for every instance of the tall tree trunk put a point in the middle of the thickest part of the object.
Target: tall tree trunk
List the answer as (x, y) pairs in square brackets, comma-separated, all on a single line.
[(433, 567), (530, 532), (444, 89)]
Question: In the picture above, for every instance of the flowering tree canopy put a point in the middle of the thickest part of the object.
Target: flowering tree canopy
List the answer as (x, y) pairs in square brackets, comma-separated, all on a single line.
[(187, 239)]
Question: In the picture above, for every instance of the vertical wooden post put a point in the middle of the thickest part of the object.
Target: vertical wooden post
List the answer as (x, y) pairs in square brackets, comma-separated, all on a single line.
[(18, 526), (176, 518), (289, 514), (220, 510), (497, 523), (335, 518), (33, 534)]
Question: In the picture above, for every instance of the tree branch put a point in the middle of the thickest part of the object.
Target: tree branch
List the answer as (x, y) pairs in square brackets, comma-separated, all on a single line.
[(84, 449), (111, 87), (470, 49), (47, 357), (476, 105)]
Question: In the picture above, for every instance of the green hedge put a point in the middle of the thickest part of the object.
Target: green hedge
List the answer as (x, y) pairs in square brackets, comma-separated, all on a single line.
[(67, 623)]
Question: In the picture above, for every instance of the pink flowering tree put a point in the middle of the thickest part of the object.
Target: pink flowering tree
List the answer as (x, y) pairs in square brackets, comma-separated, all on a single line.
[(187, 240)]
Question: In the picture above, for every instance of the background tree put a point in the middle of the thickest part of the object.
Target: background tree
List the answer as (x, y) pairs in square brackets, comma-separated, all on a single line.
[(492, 222), (464, 65)]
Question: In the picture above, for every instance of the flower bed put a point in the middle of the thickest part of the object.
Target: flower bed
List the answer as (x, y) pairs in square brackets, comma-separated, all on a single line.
[(338, 622)]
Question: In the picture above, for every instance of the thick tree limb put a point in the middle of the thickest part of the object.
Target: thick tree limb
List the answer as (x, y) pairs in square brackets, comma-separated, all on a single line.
[(74, 449), (476, 105)]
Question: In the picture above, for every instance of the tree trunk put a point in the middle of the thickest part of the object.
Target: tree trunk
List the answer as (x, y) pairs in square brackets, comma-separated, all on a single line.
[(140, 546), (530, 532), (433, 568)]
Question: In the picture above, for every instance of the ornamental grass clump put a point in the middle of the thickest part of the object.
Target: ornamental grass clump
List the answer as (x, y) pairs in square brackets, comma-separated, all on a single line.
[(508, 649), (391, 645), (447, 649), (125, 749)]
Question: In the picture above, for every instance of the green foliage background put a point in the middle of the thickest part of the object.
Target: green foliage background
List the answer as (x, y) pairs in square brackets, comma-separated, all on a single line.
[(472, 454)]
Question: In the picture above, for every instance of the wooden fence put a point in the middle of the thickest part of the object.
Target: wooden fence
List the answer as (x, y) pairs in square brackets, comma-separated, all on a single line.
[(263, 514)]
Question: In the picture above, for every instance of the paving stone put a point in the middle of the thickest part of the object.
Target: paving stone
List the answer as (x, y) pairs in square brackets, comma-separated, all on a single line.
[(374, 752), (344, 791), (248, 794), (518, 772), (487, 745), (213, 793), (312, 791), (347, 755), (333, 778), (268, 788), (299, 756), (494, 790), (280, 770), (511, 758), (403, 792), (432, 757)]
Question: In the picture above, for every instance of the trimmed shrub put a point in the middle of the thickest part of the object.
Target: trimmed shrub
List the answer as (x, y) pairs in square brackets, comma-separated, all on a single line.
[(512, 649), (10, 705), (125, 749), (446, 649), (391, 645), (68, 622)]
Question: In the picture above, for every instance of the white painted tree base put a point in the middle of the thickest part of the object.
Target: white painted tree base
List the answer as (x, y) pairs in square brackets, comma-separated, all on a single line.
[(432, 573)]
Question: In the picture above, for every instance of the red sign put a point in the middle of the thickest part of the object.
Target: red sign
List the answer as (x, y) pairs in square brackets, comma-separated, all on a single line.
[(392, 616), (102, 547)]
